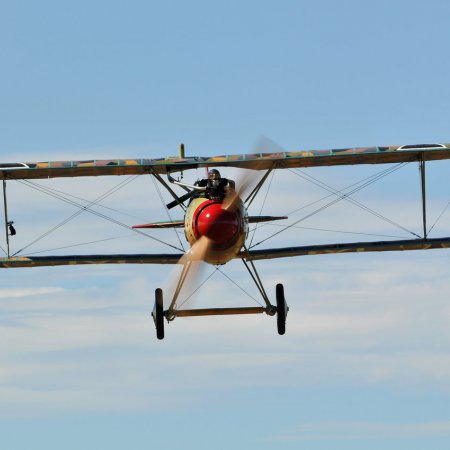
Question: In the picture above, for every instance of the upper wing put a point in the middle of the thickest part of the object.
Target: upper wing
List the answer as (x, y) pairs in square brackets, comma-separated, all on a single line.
[(256, 161)]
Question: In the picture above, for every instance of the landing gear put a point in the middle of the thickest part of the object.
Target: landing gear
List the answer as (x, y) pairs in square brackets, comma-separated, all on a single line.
[(158, 314), (282, 309)]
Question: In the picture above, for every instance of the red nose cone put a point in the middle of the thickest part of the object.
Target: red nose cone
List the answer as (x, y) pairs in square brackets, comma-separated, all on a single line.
[(219, 225)]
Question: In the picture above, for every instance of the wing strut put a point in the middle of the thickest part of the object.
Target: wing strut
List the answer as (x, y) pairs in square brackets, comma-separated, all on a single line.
[(7, 223), (254, 274), (255, 191), (424, 200), (178, 200), (170, 313)]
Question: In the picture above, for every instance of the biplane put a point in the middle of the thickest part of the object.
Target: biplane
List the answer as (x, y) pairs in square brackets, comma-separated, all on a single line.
[(216, 219)]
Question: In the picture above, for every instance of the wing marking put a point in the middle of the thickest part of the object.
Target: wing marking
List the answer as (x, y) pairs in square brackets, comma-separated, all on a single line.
[(260, 161)]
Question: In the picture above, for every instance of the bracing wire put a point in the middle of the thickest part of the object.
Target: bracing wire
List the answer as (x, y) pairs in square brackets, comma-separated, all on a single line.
[(198, 287), (335, 231), (439, 217), (240, 287), (371, 179), (262, 206), (341, 196), (77, 213), (351, 200), (81, 244), (217, 269), (67, 194), (167, 210), (87, 208)]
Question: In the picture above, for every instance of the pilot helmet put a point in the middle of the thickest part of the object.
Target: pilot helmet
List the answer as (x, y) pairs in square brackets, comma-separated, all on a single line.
[(213, 174)]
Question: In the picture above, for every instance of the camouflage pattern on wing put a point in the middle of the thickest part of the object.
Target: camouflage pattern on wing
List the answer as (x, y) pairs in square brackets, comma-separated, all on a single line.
[(73, 260), (257, 161), (351, 247)]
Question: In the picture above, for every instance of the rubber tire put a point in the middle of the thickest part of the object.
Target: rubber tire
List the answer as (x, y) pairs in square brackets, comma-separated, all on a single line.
[(282, 309), (158, 314)]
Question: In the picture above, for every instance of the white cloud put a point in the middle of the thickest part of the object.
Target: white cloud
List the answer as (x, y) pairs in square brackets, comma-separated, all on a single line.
[(89, 343)]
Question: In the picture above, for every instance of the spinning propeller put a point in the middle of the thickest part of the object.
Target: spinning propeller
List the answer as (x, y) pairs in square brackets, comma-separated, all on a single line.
[(219, 227)]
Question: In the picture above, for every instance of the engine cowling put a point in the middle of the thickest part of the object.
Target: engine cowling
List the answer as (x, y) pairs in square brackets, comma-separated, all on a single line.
[(226, 229), (221, 226)]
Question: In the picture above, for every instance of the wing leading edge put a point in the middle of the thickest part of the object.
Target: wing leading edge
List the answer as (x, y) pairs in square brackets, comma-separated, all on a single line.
[(256, 161), (72, 260), (352, 247)]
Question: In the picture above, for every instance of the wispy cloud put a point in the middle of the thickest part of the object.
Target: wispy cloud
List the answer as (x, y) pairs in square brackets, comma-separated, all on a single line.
[(94, 356), (29, 292), (364, 430), (89, 344)]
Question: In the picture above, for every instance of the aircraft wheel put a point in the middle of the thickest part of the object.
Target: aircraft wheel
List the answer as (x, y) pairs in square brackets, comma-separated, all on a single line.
[(158, 314), (282, 309)]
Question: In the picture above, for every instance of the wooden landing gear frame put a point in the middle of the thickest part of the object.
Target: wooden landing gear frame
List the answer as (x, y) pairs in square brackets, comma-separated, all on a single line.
[(280, 310)]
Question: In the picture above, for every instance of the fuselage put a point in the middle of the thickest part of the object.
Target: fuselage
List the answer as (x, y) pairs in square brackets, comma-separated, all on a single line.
[(225, 227)]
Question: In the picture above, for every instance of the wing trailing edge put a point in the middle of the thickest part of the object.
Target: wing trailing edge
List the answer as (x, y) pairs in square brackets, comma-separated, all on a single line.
[(166, 224)]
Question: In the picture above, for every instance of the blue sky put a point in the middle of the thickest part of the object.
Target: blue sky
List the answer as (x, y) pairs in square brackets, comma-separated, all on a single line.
[(365, 361)]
